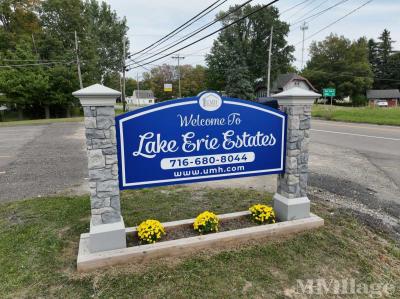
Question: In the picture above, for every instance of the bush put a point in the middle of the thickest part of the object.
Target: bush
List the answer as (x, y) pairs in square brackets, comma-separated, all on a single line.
[(150, 231), (262, 214), (206, 222), (359, 100)]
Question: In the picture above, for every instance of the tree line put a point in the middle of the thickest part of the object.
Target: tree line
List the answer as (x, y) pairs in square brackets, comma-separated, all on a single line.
[(38, 69), (352, 67)]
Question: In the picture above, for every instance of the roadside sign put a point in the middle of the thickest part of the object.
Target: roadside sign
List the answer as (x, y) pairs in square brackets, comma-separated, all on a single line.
[(329, 92), (167, 87), (202, 138)]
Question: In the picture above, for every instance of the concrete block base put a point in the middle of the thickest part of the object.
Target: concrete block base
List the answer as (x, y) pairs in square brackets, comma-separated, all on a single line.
[(105, 237), (88, 261), (291, 208)]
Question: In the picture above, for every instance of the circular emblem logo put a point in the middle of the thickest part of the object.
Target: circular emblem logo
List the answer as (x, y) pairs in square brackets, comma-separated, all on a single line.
[(210, 101)]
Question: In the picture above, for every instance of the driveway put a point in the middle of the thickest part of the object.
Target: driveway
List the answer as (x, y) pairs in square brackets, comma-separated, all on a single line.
[(42, 160)]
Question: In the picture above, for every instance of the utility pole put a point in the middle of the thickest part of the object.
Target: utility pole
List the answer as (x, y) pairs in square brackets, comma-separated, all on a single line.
[(34, 46), (138, 88), (303, 27), (123, 73), (137, 81), (78, 63), (269, 63), (179, 72)]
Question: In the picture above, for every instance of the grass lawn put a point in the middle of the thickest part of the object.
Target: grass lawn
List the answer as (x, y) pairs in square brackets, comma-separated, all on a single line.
[(39, 239), (379, 116), (30, 122)]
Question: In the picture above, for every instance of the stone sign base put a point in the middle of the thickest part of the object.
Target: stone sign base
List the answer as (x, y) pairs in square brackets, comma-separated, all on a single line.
[(291, 208), (88, 260), (107, 236)]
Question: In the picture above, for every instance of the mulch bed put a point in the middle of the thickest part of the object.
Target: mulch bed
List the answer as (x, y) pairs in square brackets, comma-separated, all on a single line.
[(186, 231)]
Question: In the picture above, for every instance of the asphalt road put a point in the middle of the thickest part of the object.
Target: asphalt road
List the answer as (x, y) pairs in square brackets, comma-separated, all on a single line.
[(41, 160), (379, 144), (360, 165), (357, 158)]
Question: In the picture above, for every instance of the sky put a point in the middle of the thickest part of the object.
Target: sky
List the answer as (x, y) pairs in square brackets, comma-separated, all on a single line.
[(150, 20)]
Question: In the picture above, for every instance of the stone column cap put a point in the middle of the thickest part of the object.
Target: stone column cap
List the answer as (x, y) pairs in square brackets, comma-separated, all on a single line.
[(296, 96), (97, 95)]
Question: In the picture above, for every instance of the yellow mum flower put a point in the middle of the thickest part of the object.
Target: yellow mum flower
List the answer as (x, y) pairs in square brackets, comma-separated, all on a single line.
[(206, 222), (150, 231), (262, 214)]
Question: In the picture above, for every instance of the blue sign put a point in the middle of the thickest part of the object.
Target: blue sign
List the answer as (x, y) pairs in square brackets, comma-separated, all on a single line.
[(196, 139)]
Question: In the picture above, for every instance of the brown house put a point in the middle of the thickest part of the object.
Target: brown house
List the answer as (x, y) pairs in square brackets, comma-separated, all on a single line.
[(391, 96)]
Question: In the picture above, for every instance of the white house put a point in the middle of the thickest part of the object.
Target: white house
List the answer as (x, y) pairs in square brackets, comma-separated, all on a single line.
[(141, 98)]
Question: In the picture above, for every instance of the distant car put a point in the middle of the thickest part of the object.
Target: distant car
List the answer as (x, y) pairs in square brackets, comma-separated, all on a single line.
[(382, 103)]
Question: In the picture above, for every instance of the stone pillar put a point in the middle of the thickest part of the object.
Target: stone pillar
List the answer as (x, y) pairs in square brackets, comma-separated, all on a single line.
[(107, 229), (291, 201)]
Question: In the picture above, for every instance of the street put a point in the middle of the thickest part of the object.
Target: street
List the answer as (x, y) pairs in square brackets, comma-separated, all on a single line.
[(364, 159), (379, 144), (41, 160), (357, 166)]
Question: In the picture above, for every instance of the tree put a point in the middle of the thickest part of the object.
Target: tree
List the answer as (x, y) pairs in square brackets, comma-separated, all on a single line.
[(26, 88), (156, 78), (18, 19), (248, 40), (381, 62), (130, 86), (238, 84), (340, 63), (99, 30), (393, 79), (373, 55), (385, 46), (45, 30), (192, 80), (112, 80)]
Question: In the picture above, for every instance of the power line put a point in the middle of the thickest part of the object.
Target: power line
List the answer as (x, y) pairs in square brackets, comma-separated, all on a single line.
[(202, 28), (213, 22), (318, 14), (181, 27), (310, 11), (212, 33), (336, 21), (184, 36), (195, 32), (32, 60), (143, 67), (301, 8), (293, 7), (34, 64), (309, 17)]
